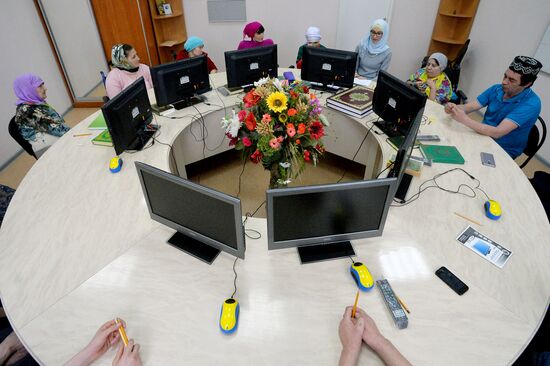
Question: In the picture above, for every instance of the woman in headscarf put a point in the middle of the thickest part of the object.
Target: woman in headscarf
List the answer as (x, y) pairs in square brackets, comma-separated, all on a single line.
[(254, 31), (313, 39), (373, 52), (193, 47), (432, 80), (126, 70), (38, 122)]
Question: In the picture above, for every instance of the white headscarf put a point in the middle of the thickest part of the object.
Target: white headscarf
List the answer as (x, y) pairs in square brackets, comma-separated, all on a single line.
[(313, 34), (441, 59), (380, 46)]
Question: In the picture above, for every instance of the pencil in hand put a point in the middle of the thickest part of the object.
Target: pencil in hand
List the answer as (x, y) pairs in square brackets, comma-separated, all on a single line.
[(122, 332), (355, 305)]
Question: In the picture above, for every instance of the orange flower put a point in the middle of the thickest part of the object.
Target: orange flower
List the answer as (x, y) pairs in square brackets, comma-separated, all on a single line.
[(301, 128), (298, 142), (291, 112), (251, 99)]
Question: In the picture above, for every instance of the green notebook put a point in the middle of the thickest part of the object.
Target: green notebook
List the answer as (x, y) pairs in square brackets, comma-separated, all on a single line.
[(442, 154), (98, 123), (103, 139)]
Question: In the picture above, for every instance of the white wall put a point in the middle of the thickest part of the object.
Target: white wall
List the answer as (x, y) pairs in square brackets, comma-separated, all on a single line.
[(25, 49), (285, 22), (497, 36), (78, 42)]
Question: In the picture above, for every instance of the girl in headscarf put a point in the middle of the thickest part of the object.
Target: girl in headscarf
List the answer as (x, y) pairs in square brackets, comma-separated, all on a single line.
[(313, 39), (373, 52), (432, 80), (38, 122), (254, 31), (126, 70), (194, 46)]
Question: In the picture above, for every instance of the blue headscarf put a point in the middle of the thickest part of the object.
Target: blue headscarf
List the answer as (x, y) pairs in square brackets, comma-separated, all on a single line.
[(380, 46), (192, 43)]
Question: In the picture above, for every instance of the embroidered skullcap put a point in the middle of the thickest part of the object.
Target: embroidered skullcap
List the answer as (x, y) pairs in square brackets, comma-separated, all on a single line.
[(192, 43), (313, 34), (441, 59), (525, 65)]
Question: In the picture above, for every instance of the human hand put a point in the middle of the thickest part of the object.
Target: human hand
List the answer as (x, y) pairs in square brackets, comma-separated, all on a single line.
[(127, 355), (449, 107), (105, 337), (371, 335), (431, 84), (350, 331), (419, 84), (458, 114)]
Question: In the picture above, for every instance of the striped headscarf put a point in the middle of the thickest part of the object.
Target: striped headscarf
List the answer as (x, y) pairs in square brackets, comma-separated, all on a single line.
[(118, 57)]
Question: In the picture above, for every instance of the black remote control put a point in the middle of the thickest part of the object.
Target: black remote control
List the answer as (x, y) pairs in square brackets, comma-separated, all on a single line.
[(451, 280)]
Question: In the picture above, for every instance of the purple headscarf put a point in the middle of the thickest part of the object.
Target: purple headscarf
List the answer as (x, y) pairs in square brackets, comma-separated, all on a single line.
[(24, 88), (251, 28)]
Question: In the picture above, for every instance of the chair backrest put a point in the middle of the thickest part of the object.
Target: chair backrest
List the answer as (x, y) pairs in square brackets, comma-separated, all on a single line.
[(534, 141), (13, 130), (460, 55), (103, 77)]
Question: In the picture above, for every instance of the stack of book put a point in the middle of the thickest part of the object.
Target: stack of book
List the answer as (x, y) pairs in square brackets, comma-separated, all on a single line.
[(356, 102)]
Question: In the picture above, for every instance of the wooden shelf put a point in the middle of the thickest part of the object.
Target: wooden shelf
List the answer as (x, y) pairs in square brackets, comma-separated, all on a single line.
[(447, 14), (449, 40), (171, 43), (175, 15)]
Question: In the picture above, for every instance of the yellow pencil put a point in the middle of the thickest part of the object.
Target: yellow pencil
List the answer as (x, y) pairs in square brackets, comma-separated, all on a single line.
[(122, 332), (82, 134), (403, 304), (355, 305), (468, 219)]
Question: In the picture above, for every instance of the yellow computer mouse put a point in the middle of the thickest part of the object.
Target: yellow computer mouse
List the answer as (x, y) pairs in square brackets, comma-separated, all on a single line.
[(493, 210), (115, 164), (362, 276), (229, 316)]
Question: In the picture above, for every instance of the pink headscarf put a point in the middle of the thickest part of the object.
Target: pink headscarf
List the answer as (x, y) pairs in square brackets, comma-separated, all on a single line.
[(24, 88), (251, 28)]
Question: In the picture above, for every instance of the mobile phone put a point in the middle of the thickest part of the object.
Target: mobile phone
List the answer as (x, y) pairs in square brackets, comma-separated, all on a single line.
[(427, 138), (488, 159), (451, 280)]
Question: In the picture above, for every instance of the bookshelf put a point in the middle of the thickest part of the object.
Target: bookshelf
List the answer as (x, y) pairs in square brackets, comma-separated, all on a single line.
[(170, 32), (452, 26)]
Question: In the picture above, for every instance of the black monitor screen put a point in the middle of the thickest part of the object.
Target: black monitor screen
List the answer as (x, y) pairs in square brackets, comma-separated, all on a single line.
[(329, 66), (209, 216), (179, 80), (328, 213), (127, 115), (244, 67), (397, 103)]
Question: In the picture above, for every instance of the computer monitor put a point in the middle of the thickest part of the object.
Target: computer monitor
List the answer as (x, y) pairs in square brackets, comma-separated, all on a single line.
[(244, 67), (127, 116), (402, 158), (206, 220), (178, 83), (396, 103), (328, 67), (320, 220)]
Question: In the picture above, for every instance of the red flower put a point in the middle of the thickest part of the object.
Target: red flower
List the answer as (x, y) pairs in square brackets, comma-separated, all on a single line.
[(256, 157), (320, 148), (307, 155), (251, 99), (247, 142), (291, 112), (242, 115), (232, 140), (298, 142), (306, 89), (293, 94), (301, 128), (274, 143), (316, 130), (250, 122)]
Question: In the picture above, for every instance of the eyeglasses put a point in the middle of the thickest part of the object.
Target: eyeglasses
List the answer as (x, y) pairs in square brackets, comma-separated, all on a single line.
[(375, 33)]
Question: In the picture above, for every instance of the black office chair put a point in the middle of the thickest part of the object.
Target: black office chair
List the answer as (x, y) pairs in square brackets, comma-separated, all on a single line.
[(13, 129), (535, 141)]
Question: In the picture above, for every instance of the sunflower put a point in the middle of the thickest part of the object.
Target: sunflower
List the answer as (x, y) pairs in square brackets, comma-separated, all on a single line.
[(277, 102)]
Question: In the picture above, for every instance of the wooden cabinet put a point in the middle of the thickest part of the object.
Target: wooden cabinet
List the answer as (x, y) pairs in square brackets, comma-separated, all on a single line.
[(452, 26), (170, 32)]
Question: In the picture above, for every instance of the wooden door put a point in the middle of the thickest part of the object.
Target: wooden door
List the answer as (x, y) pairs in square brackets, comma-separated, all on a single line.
[(126, 21)]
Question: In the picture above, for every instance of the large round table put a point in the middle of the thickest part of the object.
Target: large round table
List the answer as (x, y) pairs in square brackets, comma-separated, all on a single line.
[(78, 248)]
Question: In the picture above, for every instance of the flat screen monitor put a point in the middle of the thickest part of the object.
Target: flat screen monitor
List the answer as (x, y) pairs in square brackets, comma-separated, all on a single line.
[(206, 220), (402, 158), (128, 115), (396, 103), (320, 220), (244, 67), (177, 83), (328, 67)]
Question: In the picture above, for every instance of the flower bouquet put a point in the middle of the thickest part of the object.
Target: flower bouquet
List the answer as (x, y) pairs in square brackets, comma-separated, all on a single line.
[(280, 125)]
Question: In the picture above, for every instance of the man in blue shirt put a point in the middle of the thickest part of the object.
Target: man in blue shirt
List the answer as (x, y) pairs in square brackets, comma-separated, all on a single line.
[(512, 107)]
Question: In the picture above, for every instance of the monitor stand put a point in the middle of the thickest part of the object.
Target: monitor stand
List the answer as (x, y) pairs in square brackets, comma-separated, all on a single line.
[(325, 88), (199, 250), (401, 191), (388, 128), (186, 102), (323, 252)]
